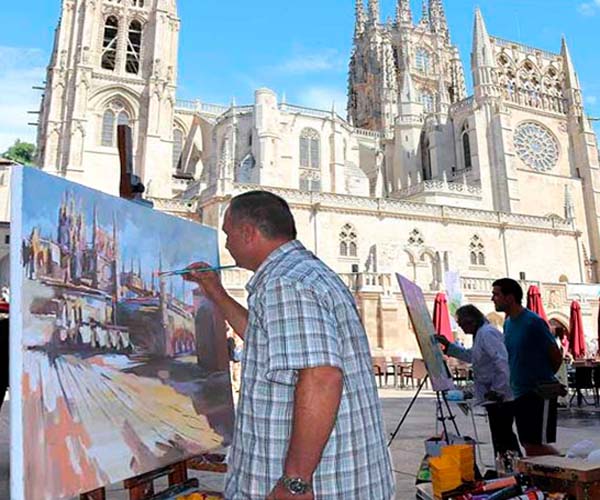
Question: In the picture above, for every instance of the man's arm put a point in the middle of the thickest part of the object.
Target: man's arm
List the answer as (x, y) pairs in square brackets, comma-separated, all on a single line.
[(233, 312), (316, 402), (555, 357)]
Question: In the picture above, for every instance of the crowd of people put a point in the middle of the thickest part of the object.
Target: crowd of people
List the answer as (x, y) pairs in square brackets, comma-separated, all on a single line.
[(309, 422)]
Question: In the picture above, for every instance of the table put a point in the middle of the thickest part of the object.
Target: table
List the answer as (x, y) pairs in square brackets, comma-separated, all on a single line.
[(574, 476)]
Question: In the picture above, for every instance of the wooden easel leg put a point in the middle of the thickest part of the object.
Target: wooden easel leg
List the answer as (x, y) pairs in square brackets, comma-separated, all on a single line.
[(99, 494), (179, 474)]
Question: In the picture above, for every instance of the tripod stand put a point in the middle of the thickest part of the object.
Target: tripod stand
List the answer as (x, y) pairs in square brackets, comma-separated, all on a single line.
[(442, 414)]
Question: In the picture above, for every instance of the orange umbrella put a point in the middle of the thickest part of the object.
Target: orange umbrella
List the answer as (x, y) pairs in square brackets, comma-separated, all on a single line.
[(534, 302), (576, 331), (441, 317)]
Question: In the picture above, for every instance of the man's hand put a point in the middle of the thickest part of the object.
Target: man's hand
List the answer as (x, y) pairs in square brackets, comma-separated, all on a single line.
[(442, 340), (494, 396), (208, 280), (280, 492)]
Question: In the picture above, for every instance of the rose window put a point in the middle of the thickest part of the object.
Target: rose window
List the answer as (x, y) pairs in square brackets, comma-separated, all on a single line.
[(536, 146)]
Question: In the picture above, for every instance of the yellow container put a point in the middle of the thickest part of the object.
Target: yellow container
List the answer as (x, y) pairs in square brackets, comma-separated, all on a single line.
[(464, 455), (445, 474)]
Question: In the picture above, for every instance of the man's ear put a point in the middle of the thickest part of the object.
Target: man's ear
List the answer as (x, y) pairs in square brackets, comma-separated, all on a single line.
[(249, 232)]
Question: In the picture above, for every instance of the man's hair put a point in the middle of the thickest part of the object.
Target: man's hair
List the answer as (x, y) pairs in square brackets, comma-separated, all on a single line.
[(268, 212), (509, 286), (471, 312)]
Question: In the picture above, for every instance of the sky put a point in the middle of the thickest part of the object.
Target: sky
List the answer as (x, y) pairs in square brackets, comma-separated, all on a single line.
[(299, 49)]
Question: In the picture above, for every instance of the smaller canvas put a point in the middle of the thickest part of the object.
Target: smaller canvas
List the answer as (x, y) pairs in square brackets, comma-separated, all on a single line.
[(425, 332)]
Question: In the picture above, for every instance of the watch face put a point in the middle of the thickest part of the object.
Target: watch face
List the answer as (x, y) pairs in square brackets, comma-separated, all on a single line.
[(297, 486)]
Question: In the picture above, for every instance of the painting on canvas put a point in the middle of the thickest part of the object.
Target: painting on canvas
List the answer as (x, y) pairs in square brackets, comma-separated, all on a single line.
[(425, 333), (118, 371)]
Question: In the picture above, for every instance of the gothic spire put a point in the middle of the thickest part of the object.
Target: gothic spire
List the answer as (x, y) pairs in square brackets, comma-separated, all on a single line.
[(361, 19), (571, 80), (374, 16), (437, 18), (403, 12), (425, 13), (482, 55), (408, 93)]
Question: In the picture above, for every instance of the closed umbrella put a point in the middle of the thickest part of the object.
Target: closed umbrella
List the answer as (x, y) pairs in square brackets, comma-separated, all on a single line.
[(534, 302), (576, 331), (441, 317), (598, 329)]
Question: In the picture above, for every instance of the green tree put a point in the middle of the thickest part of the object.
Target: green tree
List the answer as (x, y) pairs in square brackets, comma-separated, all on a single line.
[(21, 152)]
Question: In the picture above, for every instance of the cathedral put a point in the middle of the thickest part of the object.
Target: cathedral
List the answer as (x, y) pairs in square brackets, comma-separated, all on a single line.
[(419, 178)]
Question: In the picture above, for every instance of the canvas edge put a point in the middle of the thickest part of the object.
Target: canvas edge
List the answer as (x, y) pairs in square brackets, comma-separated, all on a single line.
[(17, 475)]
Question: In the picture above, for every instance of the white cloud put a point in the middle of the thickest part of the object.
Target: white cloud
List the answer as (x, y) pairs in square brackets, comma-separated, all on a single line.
[(589, 8), (320, 97), (303, 62), (20, 70)]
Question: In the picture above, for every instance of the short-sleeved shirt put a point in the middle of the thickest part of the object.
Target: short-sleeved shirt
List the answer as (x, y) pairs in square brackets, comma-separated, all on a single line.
[(301, 315), (528, 340)]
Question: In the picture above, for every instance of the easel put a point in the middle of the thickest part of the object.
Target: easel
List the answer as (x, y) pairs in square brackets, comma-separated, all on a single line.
[(441, 415), (142, 487)]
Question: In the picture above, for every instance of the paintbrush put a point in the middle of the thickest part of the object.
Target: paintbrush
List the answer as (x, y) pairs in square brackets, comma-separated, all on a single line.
[(179, 272)]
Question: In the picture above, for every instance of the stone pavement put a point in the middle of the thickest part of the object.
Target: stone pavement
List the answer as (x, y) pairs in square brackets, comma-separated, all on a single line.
[(407, 449)]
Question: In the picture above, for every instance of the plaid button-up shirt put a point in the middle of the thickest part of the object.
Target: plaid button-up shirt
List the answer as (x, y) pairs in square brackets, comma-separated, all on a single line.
[(301, 315)]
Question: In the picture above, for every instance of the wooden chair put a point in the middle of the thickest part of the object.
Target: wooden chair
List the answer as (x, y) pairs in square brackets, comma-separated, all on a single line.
[(403, 371), (379, 368), (419, 371)]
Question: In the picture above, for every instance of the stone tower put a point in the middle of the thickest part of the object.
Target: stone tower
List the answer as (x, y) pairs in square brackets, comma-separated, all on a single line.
[(383, 53), (112, 63)]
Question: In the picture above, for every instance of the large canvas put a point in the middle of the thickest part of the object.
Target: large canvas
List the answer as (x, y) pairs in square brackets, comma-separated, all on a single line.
[(115, 370), (425, 333)]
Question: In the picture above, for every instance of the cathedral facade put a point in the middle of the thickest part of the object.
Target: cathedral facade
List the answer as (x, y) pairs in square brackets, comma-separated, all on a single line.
[(417, 178)]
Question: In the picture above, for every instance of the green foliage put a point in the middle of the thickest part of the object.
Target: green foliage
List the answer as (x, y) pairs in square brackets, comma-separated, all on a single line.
[(20, 152)]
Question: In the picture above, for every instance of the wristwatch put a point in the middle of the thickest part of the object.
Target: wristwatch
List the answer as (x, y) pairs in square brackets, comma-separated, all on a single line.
[(295, 485)]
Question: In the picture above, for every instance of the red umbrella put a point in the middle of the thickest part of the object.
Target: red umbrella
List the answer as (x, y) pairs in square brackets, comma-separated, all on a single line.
[(576, 331), (534, 302), (598, 332), (441, 317)]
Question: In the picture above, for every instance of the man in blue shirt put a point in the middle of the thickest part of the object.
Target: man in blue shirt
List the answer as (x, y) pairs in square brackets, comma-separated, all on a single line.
[(533, 358)]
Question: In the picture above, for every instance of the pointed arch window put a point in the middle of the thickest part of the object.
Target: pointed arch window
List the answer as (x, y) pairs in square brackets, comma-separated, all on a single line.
[(348, 241), (422, 60), (134, 48), (108, 126), (466, 147), (177, 149), (113, 116), (109, 43), (310, 160), (426, 158), (427, 101), (477, 251)]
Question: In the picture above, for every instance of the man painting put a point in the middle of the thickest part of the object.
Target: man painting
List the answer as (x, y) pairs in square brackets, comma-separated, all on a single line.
[(490, 373), (309, 423), (534, 358)]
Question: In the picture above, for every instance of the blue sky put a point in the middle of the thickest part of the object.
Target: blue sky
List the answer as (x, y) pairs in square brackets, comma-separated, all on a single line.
[(230, 48)]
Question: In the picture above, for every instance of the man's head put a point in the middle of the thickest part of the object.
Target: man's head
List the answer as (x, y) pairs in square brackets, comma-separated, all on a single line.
[(470, 319), (256, 223), (506, 294)]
